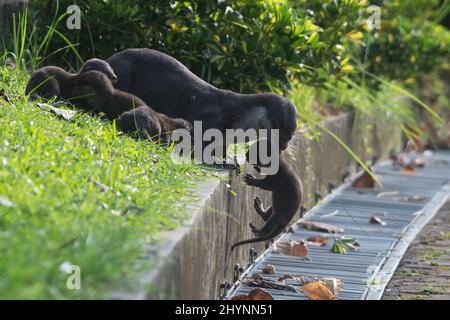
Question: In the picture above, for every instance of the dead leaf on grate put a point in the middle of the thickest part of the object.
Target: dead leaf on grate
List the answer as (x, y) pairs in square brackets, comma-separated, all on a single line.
[(364, 181), (268, 269), (334, 285), (255, 294), (343, 244), (256, 276), (408, 170), (301, 280), (317, 241), (318, 226), (376, 220), (267, 284), (317, 291), (291, 248)]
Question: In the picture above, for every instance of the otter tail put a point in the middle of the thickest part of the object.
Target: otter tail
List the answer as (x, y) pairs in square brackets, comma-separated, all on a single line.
[(250, 241)]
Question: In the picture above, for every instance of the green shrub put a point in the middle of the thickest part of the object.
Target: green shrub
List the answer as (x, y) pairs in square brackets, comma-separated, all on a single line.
[(234, 44)]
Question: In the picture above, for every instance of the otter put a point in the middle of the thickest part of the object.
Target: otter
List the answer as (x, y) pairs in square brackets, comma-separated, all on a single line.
[(165, 83), (101, 96), (150, 125), (54, 82), (133, 114), (287, 197)]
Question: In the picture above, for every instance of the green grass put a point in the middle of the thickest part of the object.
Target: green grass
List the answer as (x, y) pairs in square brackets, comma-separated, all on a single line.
[(52, 212)]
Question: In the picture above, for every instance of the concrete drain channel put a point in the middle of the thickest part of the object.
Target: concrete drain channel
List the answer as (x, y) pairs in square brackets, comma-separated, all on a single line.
[(366, 271)]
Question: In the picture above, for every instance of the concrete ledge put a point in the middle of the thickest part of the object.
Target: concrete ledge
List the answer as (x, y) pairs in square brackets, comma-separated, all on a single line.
[(191, 262)]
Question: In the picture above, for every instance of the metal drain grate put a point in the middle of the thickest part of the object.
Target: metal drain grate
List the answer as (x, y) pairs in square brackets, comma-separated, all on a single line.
[(365, 272)]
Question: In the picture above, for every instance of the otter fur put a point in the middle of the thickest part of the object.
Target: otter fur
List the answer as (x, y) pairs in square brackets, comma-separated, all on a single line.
[(133, 115), (54, 82), (287, 197), (170, 88)]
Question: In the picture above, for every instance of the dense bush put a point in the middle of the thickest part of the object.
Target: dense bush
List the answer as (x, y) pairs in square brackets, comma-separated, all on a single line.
[(408, 44), (235, 44)]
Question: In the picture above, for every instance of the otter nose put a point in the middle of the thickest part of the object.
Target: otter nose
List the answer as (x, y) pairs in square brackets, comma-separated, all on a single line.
[(114, 78)]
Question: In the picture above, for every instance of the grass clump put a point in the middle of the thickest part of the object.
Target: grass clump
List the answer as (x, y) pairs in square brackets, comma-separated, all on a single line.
[(78, 192)]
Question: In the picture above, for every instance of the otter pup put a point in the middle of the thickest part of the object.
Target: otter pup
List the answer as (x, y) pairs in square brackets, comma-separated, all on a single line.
[(101, 96), (54, 82), (287, 196), (170, 88), (150, 124), (133, 114)]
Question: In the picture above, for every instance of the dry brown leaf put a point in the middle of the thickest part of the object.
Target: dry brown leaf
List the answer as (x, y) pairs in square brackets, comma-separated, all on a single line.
[(292, 248), (364, 181), (268, 284), (256, 276), (408, 170), (317, 240), (255, 294), (334, 285), (317, 291), (376, 220), (301, 280), (318, 226), (268, 269)]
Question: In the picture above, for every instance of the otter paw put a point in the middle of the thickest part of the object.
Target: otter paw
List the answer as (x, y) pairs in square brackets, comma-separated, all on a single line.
[(257, 202)]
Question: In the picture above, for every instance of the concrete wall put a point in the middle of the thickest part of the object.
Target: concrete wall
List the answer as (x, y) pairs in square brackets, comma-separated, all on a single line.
[(194, 260), (7, 7)]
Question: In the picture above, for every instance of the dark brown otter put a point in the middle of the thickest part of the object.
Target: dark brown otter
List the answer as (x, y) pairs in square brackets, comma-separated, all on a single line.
[(134, 116), (170, 88), (54, 82), (150, 125), (101, 96), (287, 197)]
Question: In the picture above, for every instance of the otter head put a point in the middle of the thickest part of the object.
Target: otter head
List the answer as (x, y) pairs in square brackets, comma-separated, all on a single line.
[(182, 124), (100, 66), (262, 155), (282, 116)]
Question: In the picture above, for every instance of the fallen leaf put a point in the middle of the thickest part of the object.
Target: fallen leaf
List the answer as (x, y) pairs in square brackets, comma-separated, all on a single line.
[(343, 244), (408, 170), (301, 280), (318, 226), (255, 294), (268, 284), (364, 181), (317, 291), (334, 285), (317, 240), (376, 220), (65, 114), (292, 248), (268, 269), (256, 276)]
